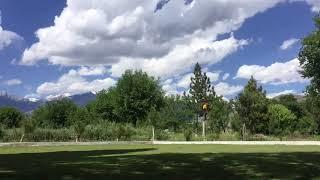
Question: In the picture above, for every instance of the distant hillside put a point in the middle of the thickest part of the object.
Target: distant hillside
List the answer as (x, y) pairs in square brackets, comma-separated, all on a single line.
[(26, 105), (83, 99), (298, 97)]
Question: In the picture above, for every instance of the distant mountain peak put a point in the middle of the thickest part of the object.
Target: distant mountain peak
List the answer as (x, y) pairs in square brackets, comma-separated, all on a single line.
[(29, 104)]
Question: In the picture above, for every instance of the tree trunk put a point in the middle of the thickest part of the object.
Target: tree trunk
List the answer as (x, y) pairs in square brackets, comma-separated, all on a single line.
[(152, 133), (22, 137), (204, 127)]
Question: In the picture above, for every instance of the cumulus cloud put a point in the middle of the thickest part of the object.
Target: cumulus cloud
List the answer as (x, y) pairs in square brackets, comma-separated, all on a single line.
[(288, 43), (181, 58), (131, 35), (170, 87), (315, 5), (73, 83), (92, 71), (225, 76), (225, 89), (7, 37), (277, 73), (13, 82)]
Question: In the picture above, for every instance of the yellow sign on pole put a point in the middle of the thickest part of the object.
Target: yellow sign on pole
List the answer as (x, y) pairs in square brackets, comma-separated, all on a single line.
[(205, 107)]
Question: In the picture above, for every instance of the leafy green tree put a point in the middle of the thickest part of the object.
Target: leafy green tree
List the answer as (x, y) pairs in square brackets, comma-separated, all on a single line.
[(133, 97), (282, 120), (10, 117), (54, 114), (252, 108), (306, 125), (219, 115), (176, 113), (313, 106), (309, 57), (137, 93), (154, 117), (79, 119), (290, 102), (105, 105)]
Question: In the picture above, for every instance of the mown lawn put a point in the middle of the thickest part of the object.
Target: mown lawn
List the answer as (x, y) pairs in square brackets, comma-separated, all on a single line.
[(160, 162)]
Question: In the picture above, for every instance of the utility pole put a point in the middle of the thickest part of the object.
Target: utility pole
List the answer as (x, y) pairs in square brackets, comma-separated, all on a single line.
[(152, 133), (205, 108), (204, 127)]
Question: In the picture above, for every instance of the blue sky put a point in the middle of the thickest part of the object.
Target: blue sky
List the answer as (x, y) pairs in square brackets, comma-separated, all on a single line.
[(54, 47)]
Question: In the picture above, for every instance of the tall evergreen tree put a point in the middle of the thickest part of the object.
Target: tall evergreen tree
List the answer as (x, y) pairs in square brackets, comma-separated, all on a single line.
[(252, 107), (200, 89)]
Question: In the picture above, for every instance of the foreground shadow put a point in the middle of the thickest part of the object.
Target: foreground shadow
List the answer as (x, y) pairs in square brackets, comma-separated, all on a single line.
[(117, 164)]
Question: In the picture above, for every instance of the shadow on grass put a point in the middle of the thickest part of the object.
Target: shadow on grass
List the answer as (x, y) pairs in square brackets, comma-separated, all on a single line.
[(117, 164)]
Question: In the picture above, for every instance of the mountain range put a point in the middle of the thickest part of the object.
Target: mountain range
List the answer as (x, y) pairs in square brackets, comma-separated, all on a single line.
[(28, 105)]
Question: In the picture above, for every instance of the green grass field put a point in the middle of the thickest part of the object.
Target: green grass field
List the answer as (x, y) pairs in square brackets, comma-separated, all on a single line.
[(160, 162)]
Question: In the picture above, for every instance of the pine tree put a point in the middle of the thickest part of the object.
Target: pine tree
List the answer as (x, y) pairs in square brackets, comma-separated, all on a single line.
[(200, 89), (252, 107)]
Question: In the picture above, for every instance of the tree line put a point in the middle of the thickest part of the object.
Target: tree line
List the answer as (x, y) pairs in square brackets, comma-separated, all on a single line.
[(138, 101)]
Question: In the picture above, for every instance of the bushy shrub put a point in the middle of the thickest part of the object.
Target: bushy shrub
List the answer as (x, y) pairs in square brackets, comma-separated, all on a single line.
[(12, 135), (124, 132), (262, 137), (212, 137), (162, 135), (59, 135), (306, 125), (110, 132), (229, 136), (188, 134), (143, 133), (97, 133)]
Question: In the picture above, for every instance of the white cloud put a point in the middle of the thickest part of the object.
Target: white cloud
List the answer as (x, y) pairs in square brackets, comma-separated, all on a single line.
[(7, 37), (92, 71), (288, 43), (225, 89), (315, 5), (181, 58), (214, 76), (170, 88), (272, 95), (73, 83), (130, 35), (184, 81), (13, 82), (276, 73), (225, 76)]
